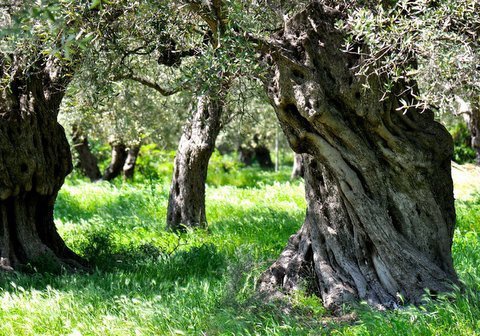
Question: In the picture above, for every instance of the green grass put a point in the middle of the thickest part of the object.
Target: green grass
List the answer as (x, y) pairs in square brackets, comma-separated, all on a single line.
[(147, 281)]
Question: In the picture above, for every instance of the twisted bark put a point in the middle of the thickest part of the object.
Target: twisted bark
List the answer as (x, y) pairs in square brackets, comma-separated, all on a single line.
[(380, 217), (186, 203), (34, 160)]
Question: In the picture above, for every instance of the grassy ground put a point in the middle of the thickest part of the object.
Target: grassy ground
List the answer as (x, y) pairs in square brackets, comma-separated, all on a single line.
[(147, 281)]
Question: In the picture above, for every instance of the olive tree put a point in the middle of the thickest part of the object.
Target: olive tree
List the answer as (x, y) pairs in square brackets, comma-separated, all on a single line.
[(40, 49), (380, 217)]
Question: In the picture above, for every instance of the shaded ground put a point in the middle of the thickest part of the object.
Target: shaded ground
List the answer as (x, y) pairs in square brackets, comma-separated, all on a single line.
[(147, 281)]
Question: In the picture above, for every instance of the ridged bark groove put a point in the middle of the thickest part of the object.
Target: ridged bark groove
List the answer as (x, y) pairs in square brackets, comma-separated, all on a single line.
[(380, 216), (186, 203), (34, 160)]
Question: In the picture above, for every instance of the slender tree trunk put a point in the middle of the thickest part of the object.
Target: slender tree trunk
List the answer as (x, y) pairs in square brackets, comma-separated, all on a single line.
[(130, 162), (277, 156), (474, 126), (34, 160), (380, 217), (119, 155), (87, 162), (186, 204), (298, 167)]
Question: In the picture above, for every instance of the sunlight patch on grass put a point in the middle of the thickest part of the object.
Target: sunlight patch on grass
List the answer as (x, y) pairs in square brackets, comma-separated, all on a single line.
[(148, 281)]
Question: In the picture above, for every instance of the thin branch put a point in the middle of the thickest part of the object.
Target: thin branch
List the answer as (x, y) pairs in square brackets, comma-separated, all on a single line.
[(150, 84)]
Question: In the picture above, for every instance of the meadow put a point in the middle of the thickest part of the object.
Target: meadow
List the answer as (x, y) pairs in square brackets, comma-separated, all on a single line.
[(148, 281)]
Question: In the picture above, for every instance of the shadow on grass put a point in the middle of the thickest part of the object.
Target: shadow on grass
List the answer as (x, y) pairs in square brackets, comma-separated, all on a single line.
[(133, 209), (145, 271), (265, 228), (126, 267), (207, 285)]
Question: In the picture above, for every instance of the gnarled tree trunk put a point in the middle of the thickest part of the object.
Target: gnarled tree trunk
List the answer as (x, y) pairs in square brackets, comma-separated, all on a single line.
[(130, 162), (119, 155), (186, 203), (87, 162), (380, 217), (298, 169), (34, 160)]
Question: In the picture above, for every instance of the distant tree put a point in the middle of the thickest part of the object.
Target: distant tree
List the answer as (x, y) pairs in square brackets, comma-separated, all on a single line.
[(216, 70), (298, 169), (87, 161), (125, 115)]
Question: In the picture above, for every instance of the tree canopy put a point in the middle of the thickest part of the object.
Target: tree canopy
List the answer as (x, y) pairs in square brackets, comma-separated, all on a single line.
[(354, 86)]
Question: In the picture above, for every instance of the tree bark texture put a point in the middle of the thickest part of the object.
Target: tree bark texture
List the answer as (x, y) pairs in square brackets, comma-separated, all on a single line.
[(298, 169), (87, 162), (380, 217), (130, 162), (119, 156), (186, 204), (34, 160), (474, 126)]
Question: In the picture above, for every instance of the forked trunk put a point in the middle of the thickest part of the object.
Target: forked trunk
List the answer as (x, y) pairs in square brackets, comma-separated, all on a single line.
[(87, 162), (34, 160), (186, 203), (380, 217), (119, 155), (298, 169), (130, 162)]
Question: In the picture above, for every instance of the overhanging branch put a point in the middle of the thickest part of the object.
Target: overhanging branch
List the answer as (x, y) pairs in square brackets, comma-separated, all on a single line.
[(149, 83)]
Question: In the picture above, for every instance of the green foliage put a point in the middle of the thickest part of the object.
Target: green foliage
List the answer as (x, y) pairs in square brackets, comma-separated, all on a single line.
[(225, 170), (432, 42), (463, 152), (154, 163)]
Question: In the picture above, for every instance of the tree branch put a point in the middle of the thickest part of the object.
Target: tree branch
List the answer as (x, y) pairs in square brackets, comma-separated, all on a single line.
[(150, 84)]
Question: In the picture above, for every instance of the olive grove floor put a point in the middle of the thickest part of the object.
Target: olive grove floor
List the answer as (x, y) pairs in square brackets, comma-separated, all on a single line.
[(147, 281)]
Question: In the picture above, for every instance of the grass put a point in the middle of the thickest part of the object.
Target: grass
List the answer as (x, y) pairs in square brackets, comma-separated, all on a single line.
[(148, 281)]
